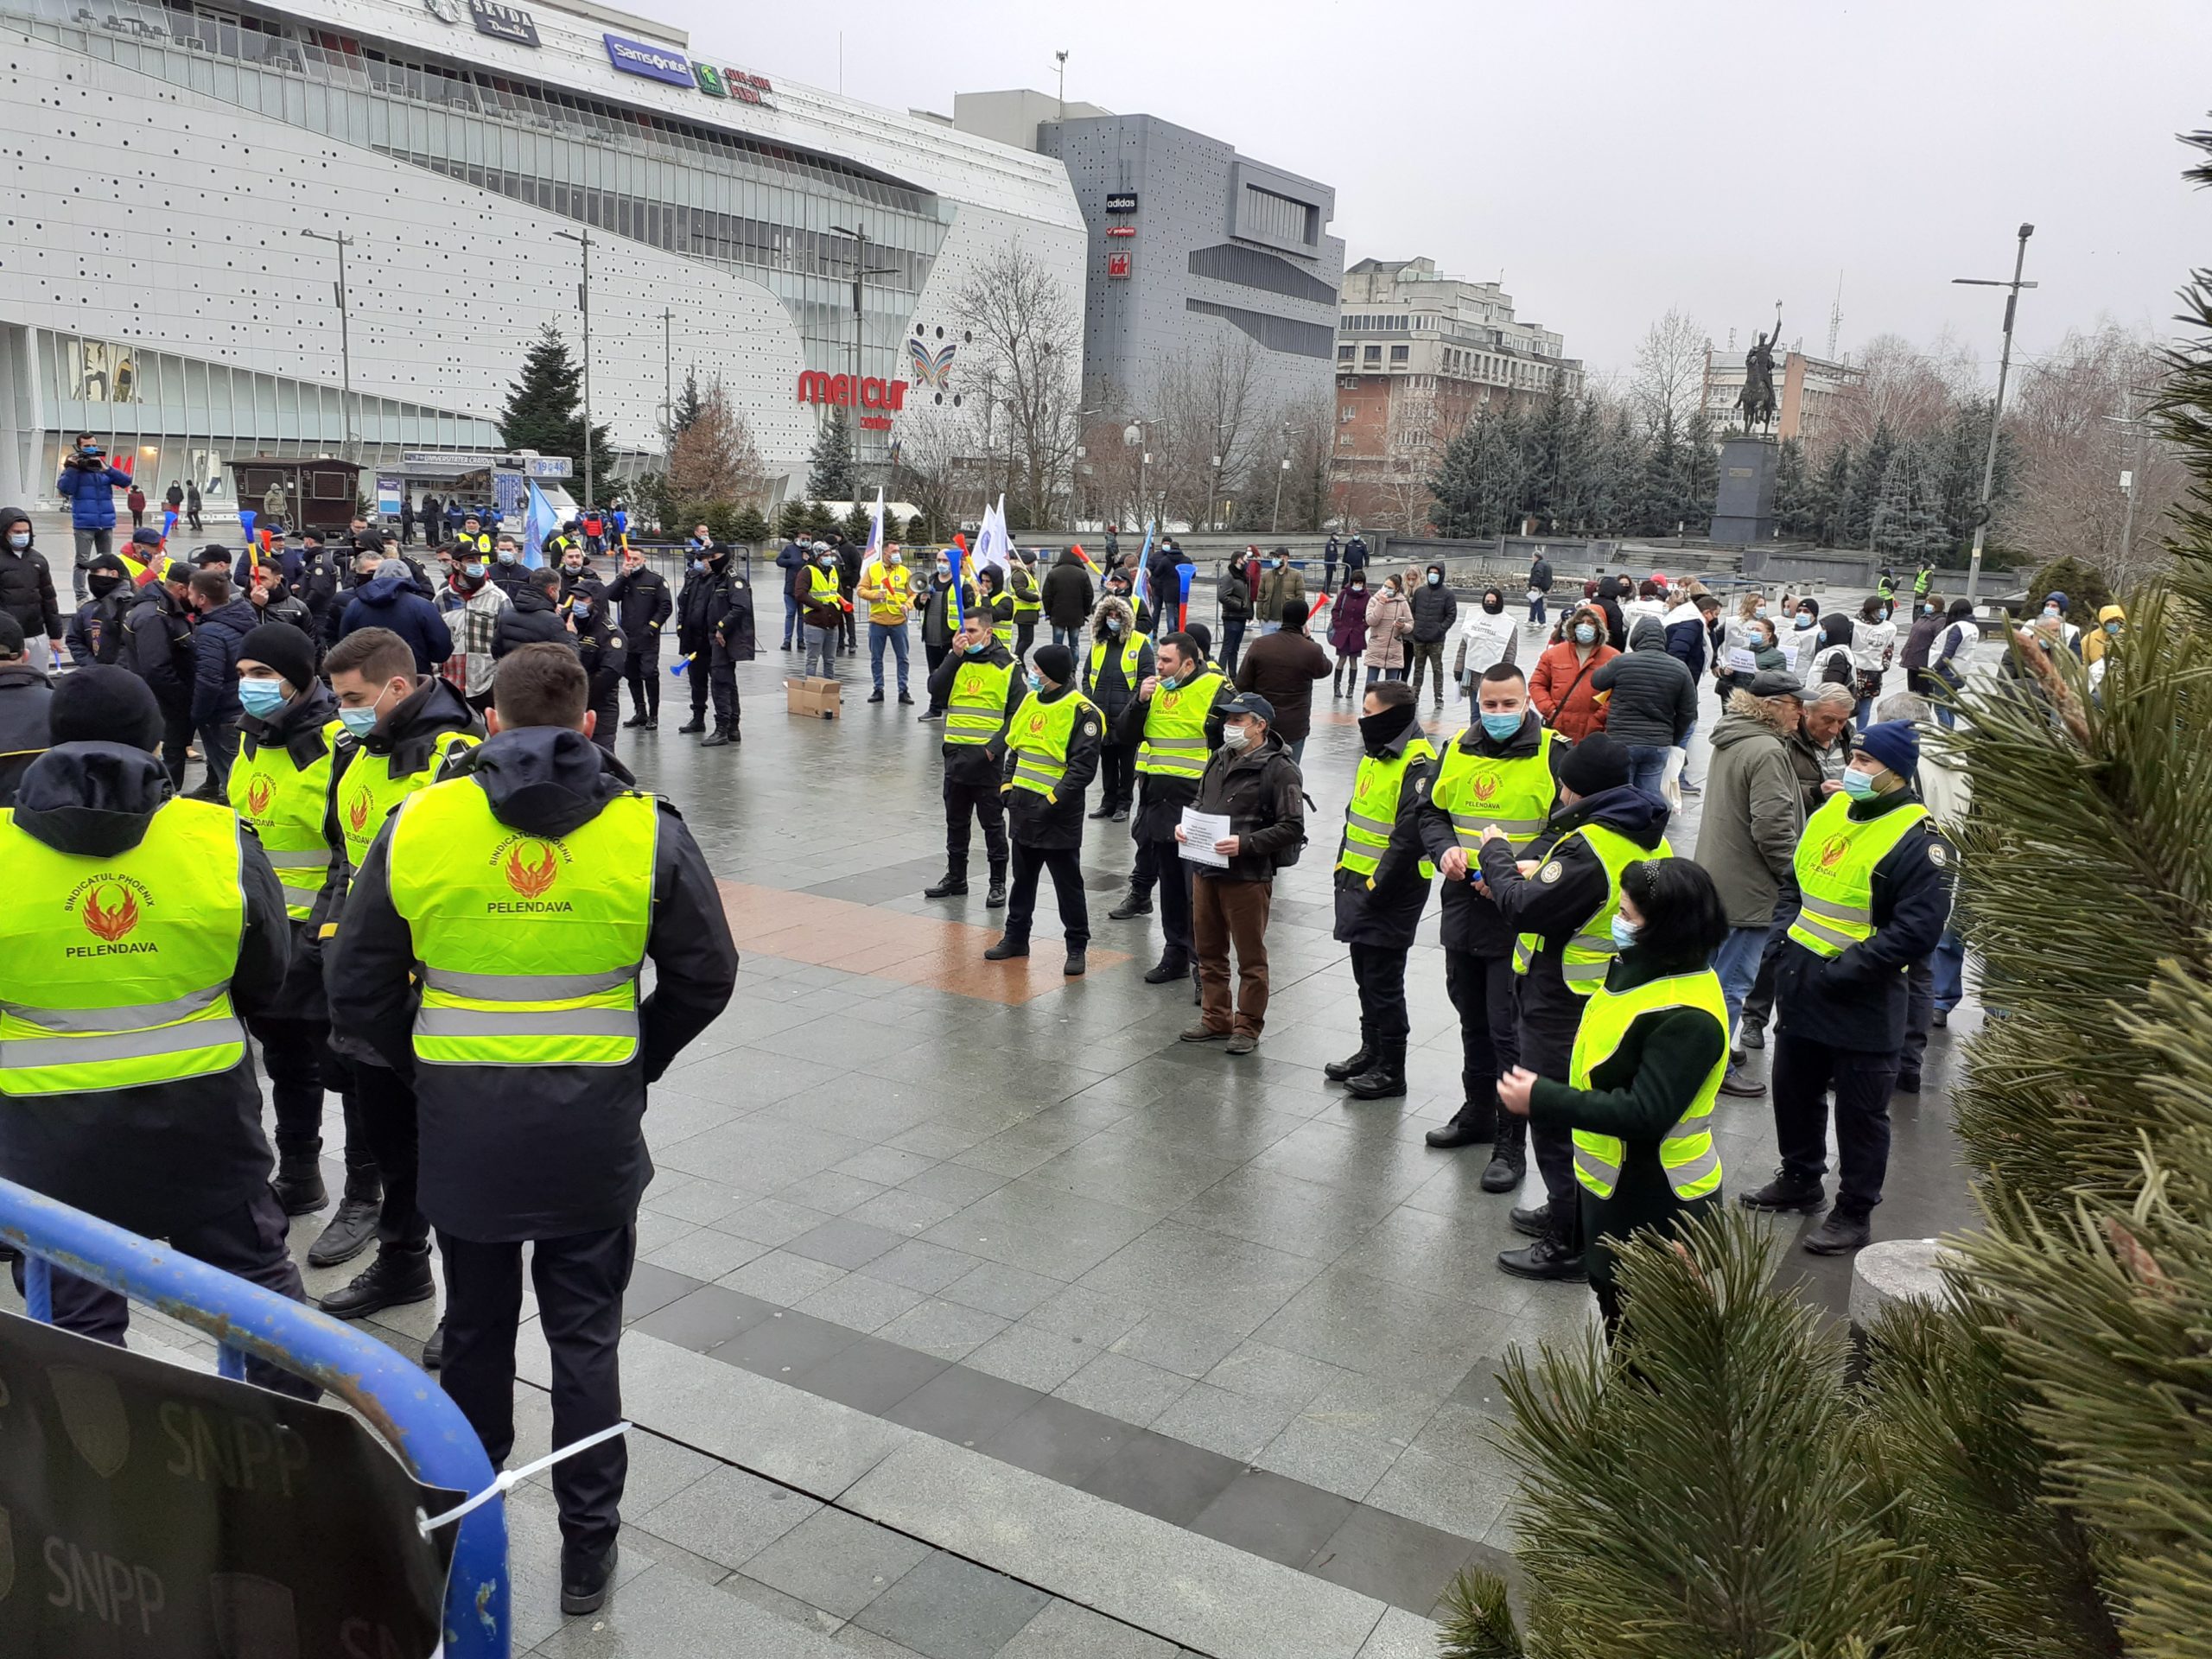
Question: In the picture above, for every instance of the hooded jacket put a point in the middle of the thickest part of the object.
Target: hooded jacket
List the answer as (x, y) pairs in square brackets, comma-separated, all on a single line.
[(1470, 919), (1753, 814), (1108, 688), (1434, 608), (1831, 659), (155, 1158), (1348, 620), (215, 643), (1030, 818), (24, 694), (26, 583), (701, 603), (512, 1153), (1654, 699), (95, 634), (1384, 914), (533, 618), (1066, 592), (158, 646), (1277, 588), (1263, 796), (1686, 638), (393, 602)]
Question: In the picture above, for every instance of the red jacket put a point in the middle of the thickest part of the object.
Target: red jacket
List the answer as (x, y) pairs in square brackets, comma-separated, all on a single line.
[(1561, 689)]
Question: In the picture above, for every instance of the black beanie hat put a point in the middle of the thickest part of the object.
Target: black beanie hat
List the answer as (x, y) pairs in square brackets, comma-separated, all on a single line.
[(103, 705), (284, 648), (1055, 662), (1596, 763)]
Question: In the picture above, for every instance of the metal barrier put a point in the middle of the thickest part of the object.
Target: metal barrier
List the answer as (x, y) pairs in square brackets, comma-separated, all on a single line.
[(401, 1403)]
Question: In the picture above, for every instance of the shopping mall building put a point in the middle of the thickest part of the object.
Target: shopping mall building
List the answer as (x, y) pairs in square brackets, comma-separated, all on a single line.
[(159, 285)]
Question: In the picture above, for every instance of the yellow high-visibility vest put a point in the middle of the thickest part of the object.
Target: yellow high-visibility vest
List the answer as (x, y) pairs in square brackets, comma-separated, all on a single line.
[(1835, 862), (975, 710), (1687, 1154), (116, 972), (1372, 813), (1175, 727), (367, 790), (529, 946), (1132, 654), (1591, 950), (1480, 790), (285, 802), (1039, 736)]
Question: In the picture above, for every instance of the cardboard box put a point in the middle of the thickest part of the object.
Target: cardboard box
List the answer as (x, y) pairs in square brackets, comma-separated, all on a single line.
[(822, 699)]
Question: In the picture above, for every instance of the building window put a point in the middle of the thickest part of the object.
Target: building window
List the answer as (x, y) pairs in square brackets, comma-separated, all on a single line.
[(1277, 219), (1399, 353), (1346, 414), (1373, 354), (1344, 353)]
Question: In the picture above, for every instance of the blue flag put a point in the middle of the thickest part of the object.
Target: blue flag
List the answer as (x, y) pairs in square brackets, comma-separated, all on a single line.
[(539, 521)]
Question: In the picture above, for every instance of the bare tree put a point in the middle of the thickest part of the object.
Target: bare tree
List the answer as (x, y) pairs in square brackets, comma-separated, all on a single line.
[(1215, 420), (1900, 387), (1668, 385), (714, 459), (1029, 335), (935, 465)]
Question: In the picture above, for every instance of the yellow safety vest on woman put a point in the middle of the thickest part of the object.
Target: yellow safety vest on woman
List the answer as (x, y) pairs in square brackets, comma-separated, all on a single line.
[(1836, 857), (1175, 727), (822, 585), (1372, 813), (1001, 609), (117, 970), (1038, 738), (1591, 950), (367, 791), (1480, 790), (1688, 1154), (1028, 604), (529, 947), (975, 710), (1132, 654), (285, 802)]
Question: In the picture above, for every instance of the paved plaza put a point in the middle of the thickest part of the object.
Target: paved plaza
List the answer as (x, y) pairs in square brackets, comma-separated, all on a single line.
[(976, 1316)]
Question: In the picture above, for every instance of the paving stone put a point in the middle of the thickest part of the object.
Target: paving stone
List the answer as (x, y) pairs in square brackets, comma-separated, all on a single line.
[(959, 1184), (835, 1561), (902, 1212), (1025, 1354), (661, 1611), (1452, 1497), (1234, 1424), (1179, 1343), (1395, 1559), (1374, 1408), (651, 1289), (1058, 1440), (1127, 1389), (1273, 1374), (1274, 1516), (1401, 1635), (785, 1345), (964, 1407), (920, 1265), (947, 1608), (772, 1221), (870, 1374), (781, 1277), (1335, 1459), (942, 1328), (727, 1515), (703, 1318), (828, 1191), (1034, 1225), (1006, 1291), (844, 1243), (705, 1254), (1162, 1477), (1090, 1316), (1375, 1327), (862, 1303), (1064, 1631)]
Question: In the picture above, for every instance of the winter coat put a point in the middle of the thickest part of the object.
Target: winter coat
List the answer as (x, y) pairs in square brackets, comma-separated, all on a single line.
[(153, 1158), (478, 617), (281, 605), (602, 646), (90, 491), (1486, 640), (1055, 823), (157, 647), (512, 1153), (1817, 768), (827, 610), (643, 604), (1471, 921), (1355, 554), (698, 606), (24, 693), (1922, 640), (95, 634), (1540, 576), (1654, 698), (1161, 797), (1561, 689), (1277, 588), (215, 660), (1385, 913), (1348, 622), (533, 618), (1263, 796), (1389, 623), (1066, 592), (1433, 607), (1107, 687), (1686, 638), (26, 583), (1233, 592), (934, 601), (1282, 667), (297, 728), (321, 579), (392, 602), (733, 631), (975, 765), (1753, 814)]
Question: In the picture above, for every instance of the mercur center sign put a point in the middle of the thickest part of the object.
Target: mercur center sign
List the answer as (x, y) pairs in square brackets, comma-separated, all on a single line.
[(847, 391)]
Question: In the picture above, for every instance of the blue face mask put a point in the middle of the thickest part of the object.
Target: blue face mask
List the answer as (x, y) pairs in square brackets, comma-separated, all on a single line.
[(1036, 682), (977, 651), (1585, 635), (261, 698), (506, 555), (358, 721), (581, 607), (698, 565), (1804, 621), (1760, 613), (1821, 638), (1502, 727), (1625, 931), (1859, 786)]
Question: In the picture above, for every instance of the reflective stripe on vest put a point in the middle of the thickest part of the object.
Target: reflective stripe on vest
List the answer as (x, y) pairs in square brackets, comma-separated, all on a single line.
[(367, 791), (1029, 604), (1835, 862), (1039, 740), (889, 607), (975, 710), (117, 970), (285, 802), (1479, 790), (1131, 654), (1001, 610), (1687, 1152), (1587, 955), (561, 988), (1372, 813), (1175, 729), (822, 584)]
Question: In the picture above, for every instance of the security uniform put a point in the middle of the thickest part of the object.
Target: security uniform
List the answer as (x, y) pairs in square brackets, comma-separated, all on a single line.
[(980, 695), (1382, 880), (889, 590), (1051, 754), (643, 606), (605, 653), (1173, 732), (1028, 605), (1110, 678)]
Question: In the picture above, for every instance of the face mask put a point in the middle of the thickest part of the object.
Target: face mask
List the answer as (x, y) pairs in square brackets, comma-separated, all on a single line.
[(945, 572), (1502, 727), (102, 585), (698, 565), (1357, 587), (506, 555), (1113, 625), (1625, 932), (897, 560), (575, 567), (1858, 784), (580, 608), (261, 698), (358, 721), (1236, 737), (475, 571), (1493, 606), (1036, 682), (1804, 621), (1821, 638), (2112, 628), (1168, 683), (977, 649), (1760, 613), (1585, 635), (1267, 564), (18, 539), (2050, 612), (1434, 580)]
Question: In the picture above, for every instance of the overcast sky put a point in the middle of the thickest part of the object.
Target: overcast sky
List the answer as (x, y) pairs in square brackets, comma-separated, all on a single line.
[(1609, 158)]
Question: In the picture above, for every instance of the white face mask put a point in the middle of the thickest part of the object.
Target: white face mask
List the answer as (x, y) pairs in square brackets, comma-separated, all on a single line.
[(1237, 737)]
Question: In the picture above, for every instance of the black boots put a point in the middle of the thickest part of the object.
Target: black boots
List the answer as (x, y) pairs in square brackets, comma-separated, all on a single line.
[(1139, 903), (954, 884), (1007, 947), (1509, 1155), (1787, 1195), (395, 1278), (1472, 1124), (586, 1577), (298, 1186), (696, 723), (353, 1226), (996, 898), (1075, 964), (1169, 968), (1344, 1071), (1548, 1258), (719, 737), (1104, 810), (1385, 1078)]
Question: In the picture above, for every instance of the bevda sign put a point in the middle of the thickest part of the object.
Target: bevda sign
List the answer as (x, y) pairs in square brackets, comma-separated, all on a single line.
[(846, 391)]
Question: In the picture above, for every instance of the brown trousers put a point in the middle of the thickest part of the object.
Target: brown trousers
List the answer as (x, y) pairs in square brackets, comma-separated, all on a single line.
[(1225, 913)]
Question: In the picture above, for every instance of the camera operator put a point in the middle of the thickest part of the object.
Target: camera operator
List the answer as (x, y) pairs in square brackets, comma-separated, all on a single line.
[(90, 483)]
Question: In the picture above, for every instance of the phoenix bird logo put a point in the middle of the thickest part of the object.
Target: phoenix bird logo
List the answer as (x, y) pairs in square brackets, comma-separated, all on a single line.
[(1832, 851), (932, 369), (357, 810), (115, 921), (256, 794), (528, 882), (1485, 787)]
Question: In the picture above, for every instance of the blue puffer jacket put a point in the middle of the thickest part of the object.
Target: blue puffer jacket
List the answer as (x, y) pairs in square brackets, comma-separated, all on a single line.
[(394, 603), (91, 495)]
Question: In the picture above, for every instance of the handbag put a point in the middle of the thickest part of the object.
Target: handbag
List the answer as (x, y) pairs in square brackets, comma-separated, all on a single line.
[(1573, 686)]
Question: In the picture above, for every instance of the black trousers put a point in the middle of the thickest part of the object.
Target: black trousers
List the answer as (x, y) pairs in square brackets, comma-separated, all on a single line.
[(1117, 766), (1160, 862), (697, 673), (296, 1055), (641, 671), (580, 1281), (933, 655), (176, 738), (1803, 1072), (247, 1239), (1379, 971), (1067, 884), (980, 803), (609, 710), (1481, 989), (721, 681), (1919, 1010), (388, 1119), (1024, 635), (1545, 1046)]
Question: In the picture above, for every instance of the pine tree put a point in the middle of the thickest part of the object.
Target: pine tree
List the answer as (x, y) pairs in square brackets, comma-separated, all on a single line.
[(1833, 494), (1869, 469), (1906, 523), (829, 463), (1792, 490), (1482, 477), (544, 408), (687, 405), (791, 520)]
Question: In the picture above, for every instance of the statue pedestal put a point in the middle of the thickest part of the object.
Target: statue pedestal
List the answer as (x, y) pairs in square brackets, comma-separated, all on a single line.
[(1743, 509)]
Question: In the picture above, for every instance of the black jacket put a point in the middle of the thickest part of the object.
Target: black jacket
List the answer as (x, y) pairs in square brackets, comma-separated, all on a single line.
[(1032, 820), (24, 694), (508, 578), (1160, 798), (1108, 688), (95, 633), (397, 603), (542, 1151), (1471, 921), (732, 628), (585, 579), (26, 584), (1265, 800), (1066, 592), (1435, 609), (531, 618), (699, 607), (297, 728), (976, 765), (934, 600), (156, 1158), (321, 582), (1654, 697), (1567, 887), (1386, 913), (157, 647), (644, 604), (602, 647), (1856, 1001), (1540, 576), (215, 660)]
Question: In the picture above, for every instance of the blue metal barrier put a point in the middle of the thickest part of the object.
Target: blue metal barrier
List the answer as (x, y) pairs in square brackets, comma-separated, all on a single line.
[(402, 1404)]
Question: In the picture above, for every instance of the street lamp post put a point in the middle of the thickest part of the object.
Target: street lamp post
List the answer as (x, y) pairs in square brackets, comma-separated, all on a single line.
[(861, 272), (1997, 409), (583, 304), (1133, 437), (1274, 525), (345, 341)]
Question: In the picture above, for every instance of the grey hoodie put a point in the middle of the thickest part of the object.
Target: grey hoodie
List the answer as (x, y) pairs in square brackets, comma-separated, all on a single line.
[(1654, 697)]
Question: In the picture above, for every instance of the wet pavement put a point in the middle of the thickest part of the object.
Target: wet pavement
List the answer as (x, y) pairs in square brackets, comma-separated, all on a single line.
[(977, 1315)]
